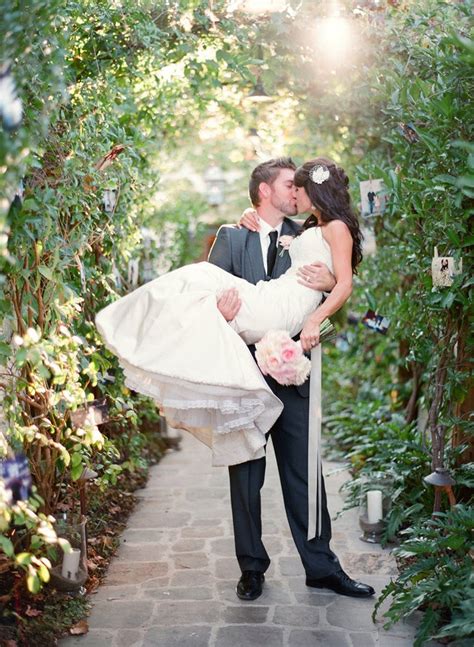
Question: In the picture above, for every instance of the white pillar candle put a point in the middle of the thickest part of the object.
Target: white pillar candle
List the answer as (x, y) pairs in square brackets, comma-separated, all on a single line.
[(71, 564), (374, 505)]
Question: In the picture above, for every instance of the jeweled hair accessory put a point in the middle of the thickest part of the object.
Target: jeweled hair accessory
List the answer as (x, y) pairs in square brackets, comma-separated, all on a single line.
[(319, 174)]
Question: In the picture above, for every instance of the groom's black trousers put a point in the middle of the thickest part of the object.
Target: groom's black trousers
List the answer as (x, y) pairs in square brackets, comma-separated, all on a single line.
[(290, 440)]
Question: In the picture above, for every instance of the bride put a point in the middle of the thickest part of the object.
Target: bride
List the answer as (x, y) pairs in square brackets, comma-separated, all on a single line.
[(176, 347)]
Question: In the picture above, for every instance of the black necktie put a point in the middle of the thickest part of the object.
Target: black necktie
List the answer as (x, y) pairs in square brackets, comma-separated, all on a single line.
[(272, 252)]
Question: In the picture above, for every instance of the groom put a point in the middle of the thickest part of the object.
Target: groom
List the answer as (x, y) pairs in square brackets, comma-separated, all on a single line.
[(254, 256)]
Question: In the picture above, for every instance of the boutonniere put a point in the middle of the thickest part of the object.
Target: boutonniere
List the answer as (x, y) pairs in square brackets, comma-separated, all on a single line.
[(284, 242)]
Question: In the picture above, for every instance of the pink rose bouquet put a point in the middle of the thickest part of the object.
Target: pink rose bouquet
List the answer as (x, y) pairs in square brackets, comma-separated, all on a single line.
[(282, 358)]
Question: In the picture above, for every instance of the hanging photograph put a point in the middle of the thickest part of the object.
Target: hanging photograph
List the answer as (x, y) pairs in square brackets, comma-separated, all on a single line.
[(444, 269), (372, 197), (11, 109), (376, 322), (16, 477), (408, 132)]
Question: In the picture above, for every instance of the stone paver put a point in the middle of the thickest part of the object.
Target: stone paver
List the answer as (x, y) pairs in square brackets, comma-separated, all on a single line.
[(172, 583)]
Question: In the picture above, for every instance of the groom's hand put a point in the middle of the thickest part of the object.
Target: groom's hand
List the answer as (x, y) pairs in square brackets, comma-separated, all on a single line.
[(229, 304), (316, 276)]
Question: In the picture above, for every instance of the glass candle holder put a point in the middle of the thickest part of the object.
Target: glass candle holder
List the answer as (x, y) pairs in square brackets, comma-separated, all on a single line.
[(69, 571), (374, 505)]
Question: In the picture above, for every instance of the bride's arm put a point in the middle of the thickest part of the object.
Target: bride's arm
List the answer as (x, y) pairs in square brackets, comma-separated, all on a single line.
[(321, 278), (337, 234)]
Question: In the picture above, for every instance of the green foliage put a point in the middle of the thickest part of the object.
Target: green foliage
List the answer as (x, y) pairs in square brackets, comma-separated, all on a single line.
[(172, 233), (28, 547), (96, 80), (33, 45), (436, 575), (423, 77), (154, 77), (382, 443), (58, 615), (46, 376)]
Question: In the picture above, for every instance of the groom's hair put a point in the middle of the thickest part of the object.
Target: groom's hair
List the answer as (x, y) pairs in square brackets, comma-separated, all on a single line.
[(267, 172)]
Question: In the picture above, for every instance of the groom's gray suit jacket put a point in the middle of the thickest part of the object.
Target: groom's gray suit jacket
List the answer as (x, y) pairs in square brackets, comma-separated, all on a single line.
[(239, 252)]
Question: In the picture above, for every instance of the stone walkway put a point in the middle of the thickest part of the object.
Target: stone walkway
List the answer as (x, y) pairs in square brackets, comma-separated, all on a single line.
[(172, 582)]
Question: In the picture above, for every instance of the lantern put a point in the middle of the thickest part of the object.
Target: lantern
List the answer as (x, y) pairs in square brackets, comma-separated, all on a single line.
[(374, 505), (69, 573), (215, 182), (442, 481), (258, 93)]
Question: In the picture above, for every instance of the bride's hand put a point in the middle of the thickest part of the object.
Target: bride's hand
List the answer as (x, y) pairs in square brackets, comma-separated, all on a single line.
[(309, 336), (249, 220)]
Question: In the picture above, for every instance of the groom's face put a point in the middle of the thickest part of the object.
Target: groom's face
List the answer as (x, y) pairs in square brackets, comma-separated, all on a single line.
[(283, 195)]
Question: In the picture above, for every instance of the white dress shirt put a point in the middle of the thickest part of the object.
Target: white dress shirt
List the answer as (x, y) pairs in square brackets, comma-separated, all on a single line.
[(264, 233)]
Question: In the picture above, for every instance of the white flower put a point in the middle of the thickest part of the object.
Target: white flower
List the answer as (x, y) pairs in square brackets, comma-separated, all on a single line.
[(63, 330), (284, 242), (32, 336), (319, 174), (17, 341)]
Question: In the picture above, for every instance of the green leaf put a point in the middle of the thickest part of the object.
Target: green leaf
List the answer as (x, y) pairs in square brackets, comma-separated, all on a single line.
[(23, 559), (30, 205), (43, 573), (46, 271), (453, 237), (5, 306), (43, 371), (455, 542), (33, 583), (7, 546), (448, 300), (76, 471), (465, 181), (5, 349), (76, 459), (447, 179), (467, 242)]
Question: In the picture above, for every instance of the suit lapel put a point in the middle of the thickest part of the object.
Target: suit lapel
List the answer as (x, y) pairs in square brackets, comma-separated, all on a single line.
[(254, 257)]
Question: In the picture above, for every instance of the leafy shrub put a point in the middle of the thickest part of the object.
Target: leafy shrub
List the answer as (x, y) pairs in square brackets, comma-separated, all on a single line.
[(379, 386), (62, 255), (436, 575)]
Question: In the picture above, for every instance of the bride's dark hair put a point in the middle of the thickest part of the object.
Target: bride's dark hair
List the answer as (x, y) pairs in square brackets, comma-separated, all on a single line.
[(332, 199)]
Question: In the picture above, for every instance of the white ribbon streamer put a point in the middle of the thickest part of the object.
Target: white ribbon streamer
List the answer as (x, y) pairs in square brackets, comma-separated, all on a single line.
[(314, 447)]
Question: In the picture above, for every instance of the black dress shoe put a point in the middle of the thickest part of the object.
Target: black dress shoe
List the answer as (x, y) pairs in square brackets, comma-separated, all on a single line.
[(250, 585), (341, 583)]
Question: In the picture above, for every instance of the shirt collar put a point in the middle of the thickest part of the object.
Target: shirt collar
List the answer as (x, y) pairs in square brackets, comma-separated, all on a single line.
[(265, 228)]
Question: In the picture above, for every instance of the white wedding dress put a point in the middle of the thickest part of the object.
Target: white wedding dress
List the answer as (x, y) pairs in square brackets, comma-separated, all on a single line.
[(175, 346)]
